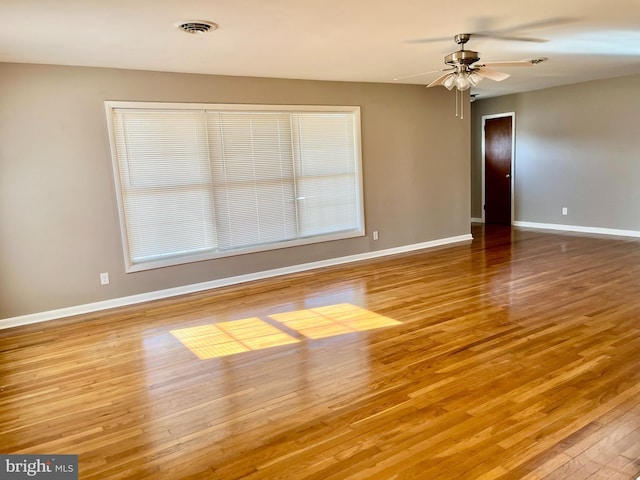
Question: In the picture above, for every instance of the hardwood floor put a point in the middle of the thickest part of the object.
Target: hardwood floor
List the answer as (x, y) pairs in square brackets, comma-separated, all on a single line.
[(517, 357)]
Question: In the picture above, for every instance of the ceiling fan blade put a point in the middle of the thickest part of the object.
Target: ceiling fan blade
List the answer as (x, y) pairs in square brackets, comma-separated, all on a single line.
[(423, 73), (509, 37), (517, 63), (491, 74), (544, 23), (511, 33), (483, 28), (496, 36), (439, 81), (430, 40)]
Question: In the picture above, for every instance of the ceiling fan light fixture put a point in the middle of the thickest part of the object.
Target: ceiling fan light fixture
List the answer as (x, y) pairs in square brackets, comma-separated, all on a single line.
[(462, 81), (449, 81), (474, 79)]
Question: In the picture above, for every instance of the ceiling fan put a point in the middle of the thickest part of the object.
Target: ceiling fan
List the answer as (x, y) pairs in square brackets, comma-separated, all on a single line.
[(464, 71)]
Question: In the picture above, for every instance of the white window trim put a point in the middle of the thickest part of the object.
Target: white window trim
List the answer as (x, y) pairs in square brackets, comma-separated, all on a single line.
[(196, 257)]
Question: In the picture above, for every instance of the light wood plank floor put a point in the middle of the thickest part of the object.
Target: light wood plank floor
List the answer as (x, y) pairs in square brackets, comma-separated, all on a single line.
[(517, 357)]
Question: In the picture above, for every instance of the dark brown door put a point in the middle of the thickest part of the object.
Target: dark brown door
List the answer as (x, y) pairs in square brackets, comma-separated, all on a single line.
[(497, 170)]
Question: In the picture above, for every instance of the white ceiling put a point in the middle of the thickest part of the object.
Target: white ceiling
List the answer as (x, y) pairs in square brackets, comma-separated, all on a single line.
[(348, 40)]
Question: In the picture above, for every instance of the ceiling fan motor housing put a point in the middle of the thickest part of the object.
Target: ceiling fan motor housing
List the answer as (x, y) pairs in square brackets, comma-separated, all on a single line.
[(462, 57)]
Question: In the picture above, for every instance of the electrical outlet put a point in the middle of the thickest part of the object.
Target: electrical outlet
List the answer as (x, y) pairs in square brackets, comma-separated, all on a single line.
[(375, 235), (104, 278), (565, 211)]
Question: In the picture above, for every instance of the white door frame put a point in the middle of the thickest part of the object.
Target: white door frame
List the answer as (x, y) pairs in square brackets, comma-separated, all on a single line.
[(513, 160)]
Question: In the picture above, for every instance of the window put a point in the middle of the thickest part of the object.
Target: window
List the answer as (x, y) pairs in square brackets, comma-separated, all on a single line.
[(196, 182)]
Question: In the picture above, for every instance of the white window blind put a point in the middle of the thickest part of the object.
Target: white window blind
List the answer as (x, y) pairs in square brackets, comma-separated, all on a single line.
[(203, 181), (326, 173), (254, 183)]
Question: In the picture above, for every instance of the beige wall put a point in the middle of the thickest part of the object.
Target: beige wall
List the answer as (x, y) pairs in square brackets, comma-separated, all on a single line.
[(576, 147), (59, 215)]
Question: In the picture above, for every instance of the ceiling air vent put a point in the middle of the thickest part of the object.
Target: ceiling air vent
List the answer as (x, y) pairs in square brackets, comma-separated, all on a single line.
[(197, 26)]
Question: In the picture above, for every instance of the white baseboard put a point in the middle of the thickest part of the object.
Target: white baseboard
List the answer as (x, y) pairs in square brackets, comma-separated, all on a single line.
[(577, 228), (198, 287), (477, 220)]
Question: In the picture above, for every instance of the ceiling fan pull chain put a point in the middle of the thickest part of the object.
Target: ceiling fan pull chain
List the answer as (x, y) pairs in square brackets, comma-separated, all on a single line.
[(459, 104)]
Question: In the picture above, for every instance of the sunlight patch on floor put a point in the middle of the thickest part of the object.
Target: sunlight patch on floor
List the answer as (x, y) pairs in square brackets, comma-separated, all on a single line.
[(323, 322), (237, 336), (227, 338)]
